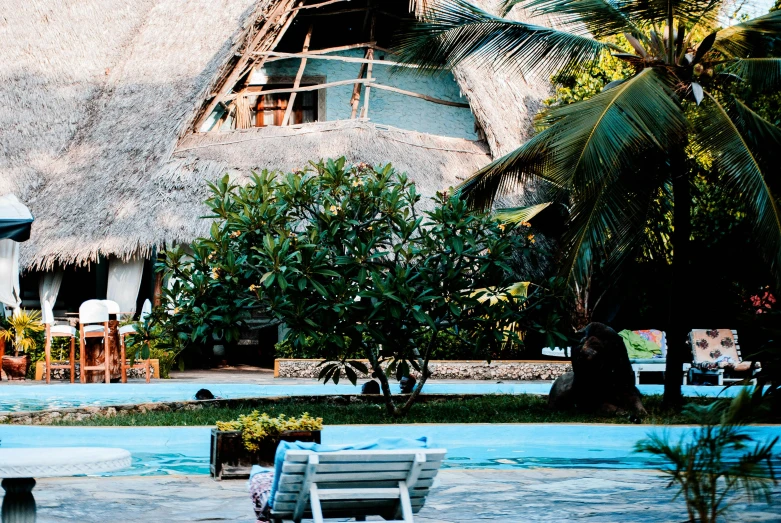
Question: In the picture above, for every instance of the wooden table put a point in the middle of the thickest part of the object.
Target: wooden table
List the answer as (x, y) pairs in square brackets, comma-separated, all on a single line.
[(20, 467)]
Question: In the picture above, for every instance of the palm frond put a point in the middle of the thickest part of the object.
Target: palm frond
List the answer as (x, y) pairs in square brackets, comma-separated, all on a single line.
[(746, 150), (589, 140), (520, 214), (600, 17), (759, 73), (510, 171), (455, 31), (609, 132), (754, 38), (649, 12), (606, 228)]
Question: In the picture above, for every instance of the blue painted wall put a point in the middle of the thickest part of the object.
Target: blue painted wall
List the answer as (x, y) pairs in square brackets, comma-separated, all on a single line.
[(387, 107)]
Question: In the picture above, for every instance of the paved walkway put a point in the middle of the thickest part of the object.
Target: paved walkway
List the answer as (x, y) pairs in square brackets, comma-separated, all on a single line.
[(500, 496)]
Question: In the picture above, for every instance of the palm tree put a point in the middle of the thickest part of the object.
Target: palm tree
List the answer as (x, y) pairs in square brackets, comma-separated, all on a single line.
[(611, 157)]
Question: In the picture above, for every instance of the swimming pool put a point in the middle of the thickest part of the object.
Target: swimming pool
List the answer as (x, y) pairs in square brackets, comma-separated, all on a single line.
[(185, 450), (60, 396)]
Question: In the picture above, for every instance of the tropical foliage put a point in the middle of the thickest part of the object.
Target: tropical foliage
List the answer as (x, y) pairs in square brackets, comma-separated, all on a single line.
[(719, 461), (602, 154), (618, 159), (348, 259), (20, 330), (256, 427)]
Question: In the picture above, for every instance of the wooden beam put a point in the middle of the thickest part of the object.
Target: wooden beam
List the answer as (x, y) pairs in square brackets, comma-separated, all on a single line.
[(340, 12), (304, 88), (322, 4), (418, 95), (321, 51), (228, 84), (351, 59), (299, 75)]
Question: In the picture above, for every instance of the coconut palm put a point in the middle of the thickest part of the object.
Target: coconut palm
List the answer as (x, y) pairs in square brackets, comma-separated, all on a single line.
[(613, 157)]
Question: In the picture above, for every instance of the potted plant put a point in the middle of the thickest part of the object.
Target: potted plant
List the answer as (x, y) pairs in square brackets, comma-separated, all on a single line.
[(252, 440), (17, 333)]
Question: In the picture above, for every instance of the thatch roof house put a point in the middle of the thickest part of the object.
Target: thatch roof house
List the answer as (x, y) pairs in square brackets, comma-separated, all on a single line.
[(115, 113)]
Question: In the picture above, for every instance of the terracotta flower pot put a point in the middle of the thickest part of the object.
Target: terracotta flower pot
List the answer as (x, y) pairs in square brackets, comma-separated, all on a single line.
[(15, 367)]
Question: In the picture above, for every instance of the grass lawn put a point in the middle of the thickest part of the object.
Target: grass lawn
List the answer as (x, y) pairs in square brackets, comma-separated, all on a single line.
[(524, 408)]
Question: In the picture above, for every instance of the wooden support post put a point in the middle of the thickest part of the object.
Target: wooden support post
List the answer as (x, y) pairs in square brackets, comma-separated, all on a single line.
[(299, 75), (356, 97), (369, 56)]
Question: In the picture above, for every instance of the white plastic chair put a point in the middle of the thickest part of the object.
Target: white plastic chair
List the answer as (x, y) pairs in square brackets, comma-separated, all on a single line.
[(124, 331), (93, 323), (57, 331)]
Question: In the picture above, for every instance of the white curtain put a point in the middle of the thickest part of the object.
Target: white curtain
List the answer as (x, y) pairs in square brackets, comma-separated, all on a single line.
[(9, 273), (124, 281), (49, 286)]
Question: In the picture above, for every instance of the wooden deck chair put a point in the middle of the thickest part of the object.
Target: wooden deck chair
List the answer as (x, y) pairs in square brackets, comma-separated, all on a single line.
[(125, 331), (93, 323), (716, 351), (392, 484), (58, 331)]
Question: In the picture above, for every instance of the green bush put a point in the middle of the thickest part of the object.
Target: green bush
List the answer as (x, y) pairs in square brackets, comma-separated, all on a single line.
[(349, 260)]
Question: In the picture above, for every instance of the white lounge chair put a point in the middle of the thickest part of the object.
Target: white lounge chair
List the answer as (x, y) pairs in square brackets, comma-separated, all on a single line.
[(355, 483)]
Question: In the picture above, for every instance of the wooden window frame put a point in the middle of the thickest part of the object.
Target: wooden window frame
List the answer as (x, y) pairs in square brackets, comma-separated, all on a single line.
[(321, 108)]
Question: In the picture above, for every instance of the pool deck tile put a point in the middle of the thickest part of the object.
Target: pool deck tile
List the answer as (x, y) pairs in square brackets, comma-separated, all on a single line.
[(507, 496)]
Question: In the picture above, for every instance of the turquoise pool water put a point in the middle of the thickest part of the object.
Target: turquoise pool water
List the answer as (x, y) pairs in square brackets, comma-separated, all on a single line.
[(43, 397), (185, 450)]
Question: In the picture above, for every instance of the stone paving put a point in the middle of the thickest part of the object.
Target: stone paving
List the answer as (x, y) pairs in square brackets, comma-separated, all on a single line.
[(500, 496)]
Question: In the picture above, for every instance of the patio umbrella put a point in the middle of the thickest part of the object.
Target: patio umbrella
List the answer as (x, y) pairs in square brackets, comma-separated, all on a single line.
[(15, 219), (15, 222)]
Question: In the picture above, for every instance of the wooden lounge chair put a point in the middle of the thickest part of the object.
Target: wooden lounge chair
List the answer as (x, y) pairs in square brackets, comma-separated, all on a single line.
[(392, 484), (716, 352)]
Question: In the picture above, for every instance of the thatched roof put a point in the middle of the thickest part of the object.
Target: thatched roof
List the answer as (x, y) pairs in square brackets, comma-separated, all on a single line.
[(98, 99)]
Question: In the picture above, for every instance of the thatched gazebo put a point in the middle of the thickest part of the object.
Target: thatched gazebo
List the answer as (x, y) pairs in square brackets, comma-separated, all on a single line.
[(115, 113)]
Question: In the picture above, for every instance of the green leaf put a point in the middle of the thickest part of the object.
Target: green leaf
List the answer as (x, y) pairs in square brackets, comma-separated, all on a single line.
[(757, 73), (747, 152), (751, 39), (601, 17), (520, 214), (359, 365), (350, 373), (455, 31), (590, 142)]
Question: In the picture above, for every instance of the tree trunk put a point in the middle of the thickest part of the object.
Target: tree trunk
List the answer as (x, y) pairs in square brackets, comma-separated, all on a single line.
[(679, 324)]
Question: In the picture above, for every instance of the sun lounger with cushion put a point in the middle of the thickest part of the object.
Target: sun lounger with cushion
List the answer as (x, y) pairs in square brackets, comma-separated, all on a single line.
[(716, 352), (647, 350)]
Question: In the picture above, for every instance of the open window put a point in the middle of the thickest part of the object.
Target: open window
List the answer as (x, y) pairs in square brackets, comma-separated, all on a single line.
[(270, 109)]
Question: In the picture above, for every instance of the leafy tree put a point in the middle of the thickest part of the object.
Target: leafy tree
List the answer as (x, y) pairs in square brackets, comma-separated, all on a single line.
[(611, 156), (348, 259)]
